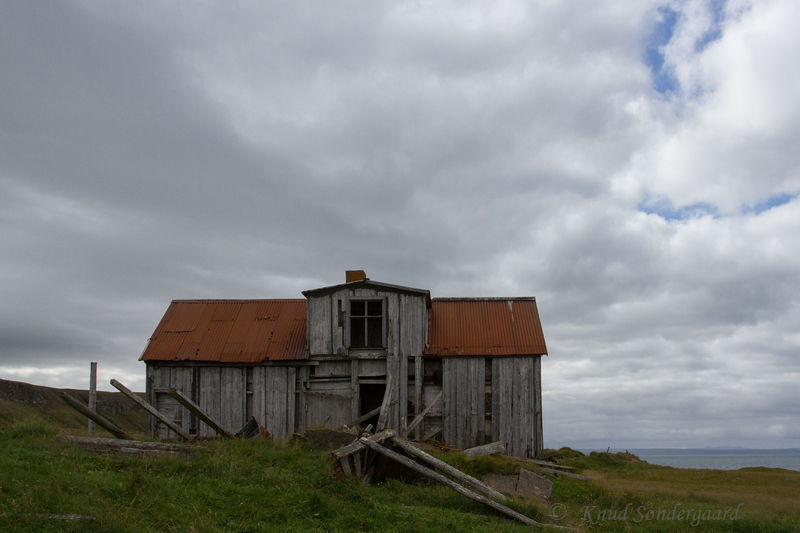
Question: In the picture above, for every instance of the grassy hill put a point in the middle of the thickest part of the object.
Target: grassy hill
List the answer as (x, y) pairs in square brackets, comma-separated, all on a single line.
[(258, 485), (23, 402)]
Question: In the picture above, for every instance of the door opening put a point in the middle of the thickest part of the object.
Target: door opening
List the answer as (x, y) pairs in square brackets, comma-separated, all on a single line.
[(371, 397)]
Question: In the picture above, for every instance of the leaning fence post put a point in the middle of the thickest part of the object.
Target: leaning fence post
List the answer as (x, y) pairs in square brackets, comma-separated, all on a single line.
[(92, 394), (150, 409), (194, 408), (101, 420)]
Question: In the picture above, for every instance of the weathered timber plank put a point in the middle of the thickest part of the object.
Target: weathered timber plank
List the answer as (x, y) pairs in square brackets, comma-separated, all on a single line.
[(357, 446), (444, 467), (97, 443), (551, 465), (420, 417), (102, 421), (402, 392), (149, 408), (151, 398), (419, 377), (53, 516), (233, 396), (354, 400), (425, 471), (182, 378), (387, 400), (448, 401), (259, 395), (366, 416), (194, 408), (289, 400), (210, 398), (345, 463), (538, 406)]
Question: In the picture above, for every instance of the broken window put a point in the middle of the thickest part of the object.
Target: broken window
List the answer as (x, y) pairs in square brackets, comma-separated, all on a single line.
[(366, 323)]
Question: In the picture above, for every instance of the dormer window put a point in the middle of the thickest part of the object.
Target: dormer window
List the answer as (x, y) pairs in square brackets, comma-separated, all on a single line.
[(366, 323)]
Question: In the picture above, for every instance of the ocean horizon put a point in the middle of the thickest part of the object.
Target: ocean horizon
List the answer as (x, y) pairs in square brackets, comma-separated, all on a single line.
[(717, 458)]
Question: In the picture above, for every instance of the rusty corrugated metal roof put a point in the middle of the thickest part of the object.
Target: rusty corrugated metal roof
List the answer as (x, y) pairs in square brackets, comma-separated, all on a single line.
[(485, 326), (230, 331), (254, 331)]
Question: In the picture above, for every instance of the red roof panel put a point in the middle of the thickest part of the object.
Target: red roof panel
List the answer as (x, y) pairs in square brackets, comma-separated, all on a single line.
[(485, 326), (230, 331)]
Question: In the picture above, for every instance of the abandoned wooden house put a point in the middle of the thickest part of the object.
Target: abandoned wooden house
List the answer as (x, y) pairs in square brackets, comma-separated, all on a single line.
[(328, 358)]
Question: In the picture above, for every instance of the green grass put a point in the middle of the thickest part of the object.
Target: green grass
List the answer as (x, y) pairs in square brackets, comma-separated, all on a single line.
[(256, 485), (66, 419), (249, 485)]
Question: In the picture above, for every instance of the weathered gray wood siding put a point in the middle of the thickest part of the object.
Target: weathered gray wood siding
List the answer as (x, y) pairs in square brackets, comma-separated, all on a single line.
[(159, 382), (327, 403), (228, 394), (273, 399), (405, 334), (463, 411), (517, 404)]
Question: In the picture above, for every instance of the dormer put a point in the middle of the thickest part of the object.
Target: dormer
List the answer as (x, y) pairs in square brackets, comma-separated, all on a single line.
[(362, 318)]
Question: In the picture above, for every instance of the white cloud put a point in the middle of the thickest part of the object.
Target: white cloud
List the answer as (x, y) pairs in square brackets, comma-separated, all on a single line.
[(189, 150)]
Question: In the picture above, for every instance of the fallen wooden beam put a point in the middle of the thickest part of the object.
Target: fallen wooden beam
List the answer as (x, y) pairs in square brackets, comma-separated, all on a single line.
[(548, 463), (364, 417), (444, 467), (150, 409), (486, 449), (420, 417), (105, 423), (567, 474), (425, 471), (96, 444), (356, 446), (53, 516), (194, 408)]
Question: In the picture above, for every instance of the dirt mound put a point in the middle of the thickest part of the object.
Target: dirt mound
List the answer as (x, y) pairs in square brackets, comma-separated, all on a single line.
[(548, 454)]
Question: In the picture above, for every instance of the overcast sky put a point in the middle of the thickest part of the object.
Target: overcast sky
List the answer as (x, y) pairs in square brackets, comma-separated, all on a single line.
[(634, 165)]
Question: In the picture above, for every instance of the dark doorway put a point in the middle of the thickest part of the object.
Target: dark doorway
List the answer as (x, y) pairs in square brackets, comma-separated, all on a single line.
[(371, 397)]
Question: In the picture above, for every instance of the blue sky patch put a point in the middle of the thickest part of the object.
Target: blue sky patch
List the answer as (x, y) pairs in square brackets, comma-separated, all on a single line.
[(664, 80), (714, 32), (661, 206), (773, 201)]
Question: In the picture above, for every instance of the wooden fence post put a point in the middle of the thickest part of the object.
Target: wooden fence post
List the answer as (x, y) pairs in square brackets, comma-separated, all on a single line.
[(92, 394)]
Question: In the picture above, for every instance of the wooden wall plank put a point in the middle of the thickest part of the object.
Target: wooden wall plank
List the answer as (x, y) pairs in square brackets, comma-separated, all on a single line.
[(181, 378), (301, 410), (259, 396), (210, 398), (418, 395), (150, 394), (291, 415), (232, 397), (539, 441), (447, 401), (392, 323), (320, 325)]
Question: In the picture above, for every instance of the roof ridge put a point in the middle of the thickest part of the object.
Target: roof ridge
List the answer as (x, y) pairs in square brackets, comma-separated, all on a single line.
[(484, 299), (238, 301)]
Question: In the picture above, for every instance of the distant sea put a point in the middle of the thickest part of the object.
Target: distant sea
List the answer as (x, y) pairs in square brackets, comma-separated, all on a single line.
[(720, 459)]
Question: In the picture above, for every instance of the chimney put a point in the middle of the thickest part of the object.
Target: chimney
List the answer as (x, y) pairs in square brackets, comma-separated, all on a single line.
[(355, 275)]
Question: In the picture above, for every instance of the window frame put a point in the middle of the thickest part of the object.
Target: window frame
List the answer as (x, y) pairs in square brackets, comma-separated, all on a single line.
[(349, 320)]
